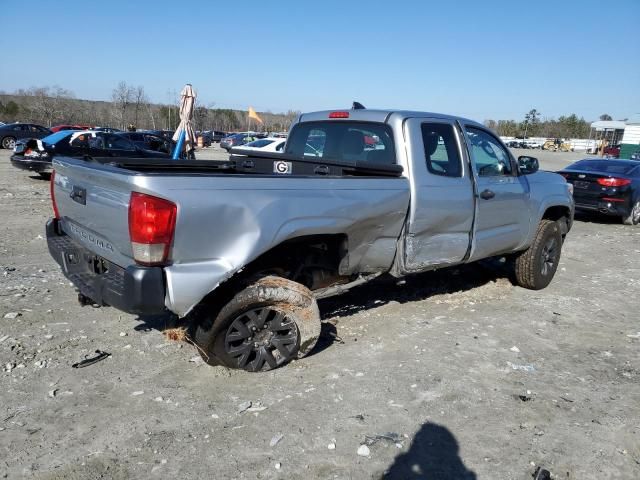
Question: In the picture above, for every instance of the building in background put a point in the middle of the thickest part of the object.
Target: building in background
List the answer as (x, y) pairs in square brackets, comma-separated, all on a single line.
[(630, 142)]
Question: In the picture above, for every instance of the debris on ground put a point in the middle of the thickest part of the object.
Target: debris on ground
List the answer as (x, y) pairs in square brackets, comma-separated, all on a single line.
[(522, 368), (243, 407), (364, 451), (542, 474), (256, 407), (390, 437), (100, 355), (178, 334), (12, 315), (332, 445), (276, 439)]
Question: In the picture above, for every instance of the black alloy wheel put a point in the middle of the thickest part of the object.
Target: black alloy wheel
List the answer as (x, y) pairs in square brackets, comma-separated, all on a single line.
[(261, 336), (550, 255)]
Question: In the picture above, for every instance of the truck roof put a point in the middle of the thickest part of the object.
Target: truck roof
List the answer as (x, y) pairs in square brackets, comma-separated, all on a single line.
[(382, 116)]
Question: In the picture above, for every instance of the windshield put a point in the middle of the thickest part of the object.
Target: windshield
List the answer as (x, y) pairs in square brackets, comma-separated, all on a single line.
[(347, 141), (603, 166), (56, 137)]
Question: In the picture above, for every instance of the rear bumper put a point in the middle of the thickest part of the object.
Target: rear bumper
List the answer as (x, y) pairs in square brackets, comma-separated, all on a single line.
[(134, 289), (34, 165), (616, 209)]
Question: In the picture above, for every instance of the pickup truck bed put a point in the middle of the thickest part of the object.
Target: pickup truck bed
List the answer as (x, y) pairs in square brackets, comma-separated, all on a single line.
[(257, 211)]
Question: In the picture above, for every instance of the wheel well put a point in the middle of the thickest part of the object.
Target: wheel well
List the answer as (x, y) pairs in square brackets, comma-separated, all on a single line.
[(312, 260), (559, 214)]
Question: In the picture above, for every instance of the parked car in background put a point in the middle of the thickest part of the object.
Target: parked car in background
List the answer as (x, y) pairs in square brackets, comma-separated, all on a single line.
[(17, 131), (263, 145), (235, 140), (218, 135), (611, 151), (36, 154), (106, 129), (207, 137), (635, 155), (58, 128), (532, 144), (610, 187), (150, 140)]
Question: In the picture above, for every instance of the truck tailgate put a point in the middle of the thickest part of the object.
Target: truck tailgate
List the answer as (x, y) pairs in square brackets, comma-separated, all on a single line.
[(93, 208)]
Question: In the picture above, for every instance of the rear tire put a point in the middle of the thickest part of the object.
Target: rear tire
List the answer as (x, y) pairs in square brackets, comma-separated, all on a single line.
[(264, 326), (634, 215), (8, 143), (536, 266)]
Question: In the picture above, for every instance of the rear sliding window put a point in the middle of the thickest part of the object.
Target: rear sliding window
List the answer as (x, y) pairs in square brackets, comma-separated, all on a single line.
[(347, 141), (604, 166)]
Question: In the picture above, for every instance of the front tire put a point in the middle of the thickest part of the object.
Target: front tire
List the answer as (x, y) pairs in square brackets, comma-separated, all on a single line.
[(264, 326), (536, 266), (634, 215)]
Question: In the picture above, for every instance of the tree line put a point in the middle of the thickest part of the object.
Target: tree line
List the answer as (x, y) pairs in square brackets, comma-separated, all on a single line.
[(129, 105), (565, 126)]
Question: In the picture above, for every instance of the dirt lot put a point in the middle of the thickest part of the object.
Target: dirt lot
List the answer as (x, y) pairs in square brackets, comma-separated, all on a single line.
[(455, 374)]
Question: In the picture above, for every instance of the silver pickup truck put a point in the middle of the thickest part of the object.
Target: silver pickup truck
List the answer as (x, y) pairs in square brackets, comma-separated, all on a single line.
[(244, 248)]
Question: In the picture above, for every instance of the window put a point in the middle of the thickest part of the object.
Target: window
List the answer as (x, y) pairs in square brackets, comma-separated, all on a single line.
[(81, 141), (347, 141), (259, 143), (117, 142), (20, 128), (489, 157), (441, 150)]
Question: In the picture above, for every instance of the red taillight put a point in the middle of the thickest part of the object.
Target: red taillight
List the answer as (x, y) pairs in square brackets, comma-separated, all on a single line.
[(52, 184), (339, 115), (152, 223), (613, 182), (608, 199)]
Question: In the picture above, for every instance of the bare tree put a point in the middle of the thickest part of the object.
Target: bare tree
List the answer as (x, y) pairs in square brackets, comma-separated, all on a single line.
[(139, 99), (122, 97), (48, 104)]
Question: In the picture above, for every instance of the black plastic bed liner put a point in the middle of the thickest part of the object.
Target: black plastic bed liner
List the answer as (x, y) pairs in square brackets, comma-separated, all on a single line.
[(259, 163)]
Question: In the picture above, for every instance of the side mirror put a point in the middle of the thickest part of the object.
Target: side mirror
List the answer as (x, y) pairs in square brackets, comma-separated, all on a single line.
[(528, 164)]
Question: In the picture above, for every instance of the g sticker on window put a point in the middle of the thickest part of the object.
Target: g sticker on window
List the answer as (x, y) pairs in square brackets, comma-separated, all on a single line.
[(282, 168)]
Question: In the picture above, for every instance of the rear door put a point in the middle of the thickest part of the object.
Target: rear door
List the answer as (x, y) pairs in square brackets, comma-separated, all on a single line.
[(442, 199), (502, 218)]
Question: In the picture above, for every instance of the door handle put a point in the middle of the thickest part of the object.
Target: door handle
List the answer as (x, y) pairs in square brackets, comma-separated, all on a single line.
[(487, 194)]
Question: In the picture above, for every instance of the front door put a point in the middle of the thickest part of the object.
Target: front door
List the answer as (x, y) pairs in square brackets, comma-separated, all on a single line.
[(438, 231), (502, 220)]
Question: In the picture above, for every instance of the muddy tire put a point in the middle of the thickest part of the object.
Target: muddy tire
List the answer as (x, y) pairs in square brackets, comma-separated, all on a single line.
[(8, 143), (536, 266), (265, 326), (634, 215)]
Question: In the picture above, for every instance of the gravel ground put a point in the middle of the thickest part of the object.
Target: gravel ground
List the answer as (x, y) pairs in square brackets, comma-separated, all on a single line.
[(455, 374)]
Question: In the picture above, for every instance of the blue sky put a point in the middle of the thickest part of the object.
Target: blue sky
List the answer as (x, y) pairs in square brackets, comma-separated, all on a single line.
[(481, 59)]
